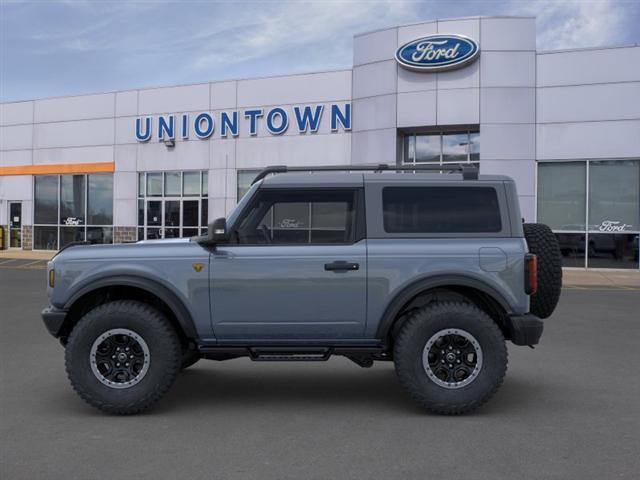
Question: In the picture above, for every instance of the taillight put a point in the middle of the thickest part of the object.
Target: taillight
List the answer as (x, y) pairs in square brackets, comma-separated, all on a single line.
[(530, 274)]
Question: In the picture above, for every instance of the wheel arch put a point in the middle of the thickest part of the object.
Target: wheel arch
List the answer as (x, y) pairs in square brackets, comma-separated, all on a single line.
[(476, 291), (133, 288)]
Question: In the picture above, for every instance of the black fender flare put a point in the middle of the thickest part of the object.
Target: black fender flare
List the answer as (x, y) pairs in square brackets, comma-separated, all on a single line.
[(408, 292), (153, 287)]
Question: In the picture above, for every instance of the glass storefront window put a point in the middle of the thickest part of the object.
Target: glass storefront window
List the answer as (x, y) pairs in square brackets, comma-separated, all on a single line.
[(474, 147), (154, 185), (614, 196), (100, 234), (191, 183), (71, 234), (205, 184), (427, 148), (100, 200), (409, 150), (172, 184), (611, 200), (455, 147), (613, 250), (72, 198), (572, 248), (85, 206), (140, 212), (45, 238), (45, 207), (439, 148), (245, 177), (204, 213), (562, 195)]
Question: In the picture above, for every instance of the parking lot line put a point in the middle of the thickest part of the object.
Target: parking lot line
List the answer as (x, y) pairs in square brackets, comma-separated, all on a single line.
[(8, 261), (27, 265), (31, 265)]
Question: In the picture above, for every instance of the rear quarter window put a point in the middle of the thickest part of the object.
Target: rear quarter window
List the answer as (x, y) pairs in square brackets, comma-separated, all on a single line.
[(435, 209)]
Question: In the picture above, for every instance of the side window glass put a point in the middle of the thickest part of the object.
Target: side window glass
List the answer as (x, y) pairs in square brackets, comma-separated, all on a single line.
[(291, 218), (441, 210)]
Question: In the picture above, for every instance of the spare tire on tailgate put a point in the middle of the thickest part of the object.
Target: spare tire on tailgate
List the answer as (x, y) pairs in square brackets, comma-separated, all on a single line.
[(543, 243)]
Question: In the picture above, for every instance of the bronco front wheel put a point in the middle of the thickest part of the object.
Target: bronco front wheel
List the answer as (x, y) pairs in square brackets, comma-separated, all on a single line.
[(122, 357), (451, 357)]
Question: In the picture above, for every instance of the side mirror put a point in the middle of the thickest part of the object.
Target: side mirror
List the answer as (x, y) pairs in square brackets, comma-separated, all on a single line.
[(217, 230)]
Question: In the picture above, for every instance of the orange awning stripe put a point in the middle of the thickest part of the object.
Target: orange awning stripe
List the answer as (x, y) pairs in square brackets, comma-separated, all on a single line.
[(95, 167)]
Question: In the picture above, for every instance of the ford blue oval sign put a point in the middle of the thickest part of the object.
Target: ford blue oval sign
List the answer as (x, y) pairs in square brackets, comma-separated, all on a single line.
[(436, 53)]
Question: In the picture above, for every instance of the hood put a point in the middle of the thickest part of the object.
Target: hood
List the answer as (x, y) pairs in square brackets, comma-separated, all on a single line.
[(147, 248)]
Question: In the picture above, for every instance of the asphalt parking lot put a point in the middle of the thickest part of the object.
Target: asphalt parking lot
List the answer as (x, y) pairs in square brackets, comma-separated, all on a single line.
[(568, 409)]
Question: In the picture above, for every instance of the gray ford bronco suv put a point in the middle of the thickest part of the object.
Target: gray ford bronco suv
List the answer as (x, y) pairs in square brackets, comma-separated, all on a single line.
[(433, 270)]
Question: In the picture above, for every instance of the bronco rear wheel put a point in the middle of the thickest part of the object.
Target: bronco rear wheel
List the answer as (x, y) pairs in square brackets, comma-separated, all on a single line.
[(544, 244), (122, 357), (451, 357)]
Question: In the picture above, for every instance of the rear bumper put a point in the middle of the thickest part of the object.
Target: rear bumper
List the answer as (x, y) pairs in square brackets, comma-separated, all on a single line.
[(525, 329), (54, 320)]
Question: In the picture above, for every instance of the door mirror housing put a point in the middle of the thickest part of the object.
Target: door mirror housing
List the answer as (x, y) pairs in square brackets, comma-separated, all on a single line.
[(217, 231)]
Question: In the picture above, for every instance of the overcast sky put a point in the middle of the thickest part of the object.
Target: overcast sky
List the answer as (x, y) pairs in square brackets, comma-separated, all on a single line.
[(56, 47)]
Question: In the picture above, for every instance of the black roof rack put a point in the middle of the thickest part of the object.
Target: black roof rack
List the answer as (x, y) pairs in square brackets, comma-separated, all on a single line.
[(469, 171)]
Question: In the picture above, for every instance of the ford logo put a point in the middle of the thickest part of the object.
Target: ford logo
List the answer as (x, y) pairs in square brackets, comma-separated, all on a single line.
[(436, 53)]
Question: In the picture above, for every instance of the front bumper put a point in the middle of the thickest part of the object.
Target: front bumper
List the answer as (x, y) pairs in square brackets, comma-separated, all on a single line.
[(525, 329), (54, 320)]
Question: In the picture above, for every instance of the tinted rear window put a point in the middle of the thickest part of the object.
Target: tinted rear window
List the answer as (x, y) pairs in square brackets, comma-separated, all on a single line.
[(441, 210)]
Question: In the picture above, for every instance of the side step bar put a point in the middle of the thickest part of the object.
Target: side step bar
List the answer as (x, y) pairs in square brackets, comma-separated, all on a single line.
[(363, 356), (267, 354)]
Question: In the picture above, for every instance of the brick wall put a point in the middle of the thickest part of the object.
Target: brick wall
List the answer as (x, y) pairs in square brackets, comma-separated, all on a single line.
[(27, 237), (124, 234)]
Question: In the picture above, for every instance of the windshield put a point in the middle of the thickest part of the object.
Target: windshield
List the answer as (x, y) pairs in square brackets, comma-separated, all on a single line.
[(233, 216)]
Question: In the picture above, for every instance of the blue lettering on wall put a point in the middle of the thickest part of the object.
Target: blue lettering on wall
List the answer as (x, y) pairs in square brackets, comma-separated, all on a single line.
[(209, 124), (284, 121), (229, 123), (165, 128), (253, 115), (308, 119), (338, 117), (185, 125), (146, 135)]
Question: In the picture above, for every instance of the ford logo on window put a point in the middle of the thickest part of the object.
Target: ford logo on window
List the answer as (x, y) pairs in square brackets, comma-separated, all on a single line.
[(436, 53)]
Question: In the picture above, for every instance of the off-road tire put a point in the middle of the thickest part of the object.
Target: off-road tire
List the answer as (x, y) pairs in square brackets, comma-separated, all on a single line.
[(164, 351), (189, 357), (544, 244), (414, 335)]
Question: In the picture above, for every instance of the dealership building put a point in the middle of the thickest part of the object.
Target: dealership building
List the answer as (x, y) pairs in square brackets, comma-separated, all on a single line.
[(162, 162)]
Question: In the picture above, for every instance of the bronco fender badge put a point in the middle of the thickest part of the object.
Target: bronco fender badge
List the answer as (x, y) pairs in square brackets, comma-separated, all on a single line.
[(197, 266), (436, 53)]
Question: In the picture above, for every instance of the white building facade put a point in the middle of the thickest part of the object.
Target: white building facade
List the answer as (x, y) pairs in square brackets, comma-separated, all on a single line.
[(162, 162)]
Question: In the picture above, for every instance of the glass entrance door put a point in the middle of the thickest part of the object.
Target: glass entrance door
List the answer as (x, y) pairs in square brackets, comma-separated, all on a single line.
[(165, 218), (15, 225), (171, 218), (153, 219)]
